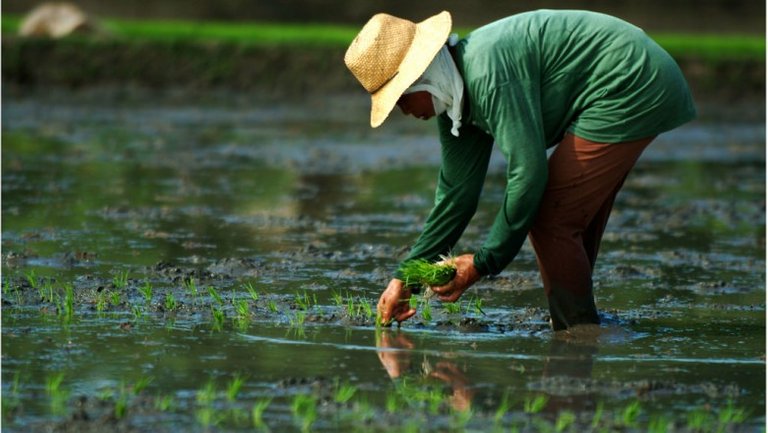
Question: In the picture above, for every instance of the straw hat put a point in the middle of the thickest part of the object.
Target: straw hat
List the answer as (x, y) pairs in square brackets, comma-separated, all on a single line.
[(389, 54)]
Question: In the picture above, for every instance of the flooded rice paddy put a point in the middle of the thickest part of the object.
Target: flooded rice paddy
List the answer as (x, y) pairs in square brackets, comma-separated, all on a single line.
[(214, 266)]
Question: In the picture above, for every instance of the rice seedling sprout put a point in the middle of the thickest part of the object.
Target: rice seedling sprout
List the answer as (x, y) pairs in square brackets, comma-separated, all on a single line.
[(137, 311), (393, 402), (338, 298), (146, 292), (114, 298), (191, 286), (32, 279), (630, 414), (165, 403), (69, 302), (304, 408), (731, 415), (452, 307), (350, 306), (170, 302), (242, 310), (597, 417), (46, 290), (218, 318), (120, 280), (367, 308), (257, 412), (698, 420), (6, 287), (141, 384), (233, 388), (502, 410), (16, 384), (272, 306), (564, 420), (11, 402), (659, 424), (426, 310), (207, 394), (302, 301), (297, 323), (215, 295), (423, 273), (533, 405), (251, 291), (53, 383), (434, 400), (344, 392), (56, 393), (206, 416), (121, 404), (460, 418)]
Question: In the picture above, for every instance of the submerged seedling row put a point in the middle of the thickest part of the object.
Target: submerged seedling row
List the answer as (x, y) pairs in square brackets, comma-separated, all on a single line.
[(411, 404)]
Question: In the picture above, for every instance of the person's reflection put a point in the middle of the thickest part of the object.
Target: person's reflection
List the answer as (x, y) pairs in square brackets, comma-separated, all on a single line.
[(571, 352), (568, 369), (396, 356), (569, 360)]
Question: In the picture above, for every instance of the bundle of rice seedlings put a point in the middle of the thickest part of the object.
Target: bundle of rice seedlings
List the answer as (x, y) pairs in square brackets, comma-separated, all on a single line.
[(420, 273)]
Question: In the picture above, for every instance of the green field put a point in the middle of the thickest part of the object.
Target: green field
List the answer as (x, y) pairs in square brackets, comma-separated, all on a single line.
[(699, 45)]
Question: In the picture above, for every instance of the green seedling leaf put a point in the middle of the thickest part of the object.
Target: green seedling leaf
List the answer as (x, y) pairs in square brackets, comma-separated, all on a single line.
[(421, 272)]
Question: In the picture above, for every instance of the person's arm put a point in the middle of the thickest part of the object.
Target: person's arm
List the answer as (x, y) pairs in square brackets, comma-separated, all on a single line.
[(513, 113), (462, 174)]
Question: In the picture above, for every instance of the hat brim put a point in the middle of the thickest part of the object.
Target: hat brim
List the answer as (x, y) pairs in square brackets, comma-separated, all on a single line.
[(431, 34)]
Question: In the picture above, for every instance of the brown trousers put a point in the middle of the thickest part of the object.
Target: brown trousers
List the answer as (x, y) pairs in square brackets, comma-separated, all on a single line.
[(584, 178)]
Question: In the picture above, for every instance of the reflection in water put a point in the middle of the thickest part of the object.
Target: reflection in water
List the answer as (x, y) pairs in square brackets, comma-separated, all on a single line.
[(572, 351), (397, 360), (570, 356)]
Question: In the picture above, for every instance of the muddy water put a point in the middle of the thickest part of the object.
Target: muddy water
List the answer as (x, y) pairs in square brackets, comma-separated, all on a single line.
[(172, 265)]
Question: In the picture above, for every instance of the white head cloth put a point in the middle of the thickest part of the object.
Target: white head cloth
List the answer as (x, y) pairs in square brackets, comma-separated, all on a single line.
[(443, 81)]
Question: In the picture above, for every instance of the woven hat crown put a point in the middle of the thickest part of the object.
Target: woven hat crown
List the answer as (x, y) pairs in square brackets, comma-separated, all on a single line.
[(377, 51), (390, 53)]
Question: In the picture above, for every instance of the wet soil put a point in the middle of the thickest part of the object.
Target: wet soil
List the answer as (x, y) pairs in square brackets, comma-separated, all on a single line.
[(157, 252)]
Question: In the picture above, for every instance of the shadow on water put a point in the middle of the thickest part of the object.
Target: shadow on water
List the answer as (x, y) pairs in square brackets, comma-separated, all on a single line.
[(208, 266)]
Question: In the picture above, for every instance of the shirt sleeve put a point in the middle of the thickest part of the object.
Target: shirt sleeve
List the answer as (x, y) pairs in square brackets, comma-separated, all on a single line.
[(512, 112), (464, 163)]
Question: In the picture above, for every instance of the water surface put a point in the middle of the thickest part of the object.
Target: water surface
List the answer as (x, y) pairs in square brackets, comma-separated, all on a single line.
[(310, 210)]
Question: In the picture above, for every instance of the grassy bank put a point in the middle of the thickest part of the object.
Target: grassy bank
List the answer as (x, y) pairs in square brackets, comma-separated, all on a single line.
[(245, 56), (710, 46)]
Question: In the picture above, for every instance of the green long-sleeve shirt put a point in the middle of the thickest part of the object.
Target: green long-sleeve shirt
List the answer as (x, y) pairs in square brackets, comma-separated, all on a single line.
[(529, 79)]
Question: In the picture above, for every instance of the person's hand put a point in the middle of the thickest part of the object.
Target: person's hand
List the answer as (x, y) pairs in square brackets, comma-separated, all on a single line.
[(466, 275), (394, 361), (394, 304), (461, 394)]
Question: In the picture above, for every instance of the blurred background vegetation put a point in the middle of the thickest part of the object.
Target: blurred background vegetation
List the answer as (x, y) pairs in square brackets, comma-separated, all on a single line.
[(239, 44), (741, 16)]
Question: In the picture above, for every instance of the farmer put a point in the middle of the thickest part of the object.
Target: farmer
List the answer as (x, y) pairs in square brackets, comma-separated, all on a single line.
[(595, 86)]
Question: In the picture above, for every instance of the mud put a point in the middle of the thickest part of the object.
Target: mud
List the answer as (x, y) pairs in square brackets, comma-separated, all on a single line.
[(157, 252)]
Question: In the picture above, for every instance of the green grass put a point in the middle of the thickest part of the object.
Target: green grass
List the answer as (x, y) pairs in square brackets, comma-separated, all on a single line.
[(702, 45), (205, 31), (712, 46)]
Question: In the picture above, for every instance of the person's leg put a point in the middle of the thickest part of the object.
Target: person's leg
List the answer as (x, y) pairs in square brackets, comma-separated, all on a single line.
[(584, 178), (594, 233)]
